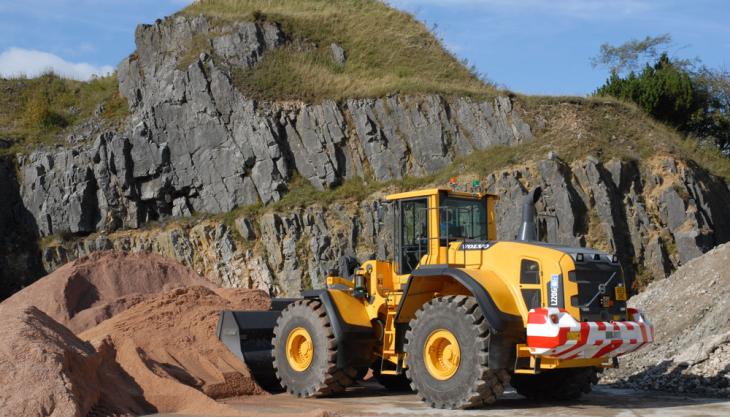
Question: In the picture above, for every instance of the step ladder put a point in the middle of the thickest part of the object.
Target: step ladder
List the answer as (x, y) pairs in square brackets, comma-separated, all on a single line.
[(389, 339)]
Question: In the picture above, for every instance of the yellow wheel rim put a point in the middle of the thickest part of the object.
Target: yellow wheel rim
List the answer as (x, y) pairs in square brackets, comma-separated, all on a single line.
[(299, 349), (442, 354)]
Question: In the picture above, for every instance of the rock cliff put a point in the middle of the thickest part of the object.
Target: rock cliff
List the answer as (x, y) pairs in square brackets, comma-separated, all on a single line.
[(194, 145), (20, 261), (655, 216)]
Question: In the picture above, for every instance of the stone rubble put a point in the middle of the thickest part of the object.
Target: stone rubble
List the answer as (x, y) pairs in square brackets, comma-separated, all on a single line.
[(690, 311)]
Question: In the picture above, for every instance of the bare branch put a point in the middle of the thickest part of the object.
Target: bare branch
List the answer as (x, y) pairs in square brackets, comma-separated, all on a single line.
[(630, 55)]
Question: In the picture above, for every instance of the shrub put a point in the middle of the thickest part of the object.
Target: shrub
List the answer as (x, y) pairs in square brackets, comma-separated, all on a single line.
[(38, 113), (664, 90)]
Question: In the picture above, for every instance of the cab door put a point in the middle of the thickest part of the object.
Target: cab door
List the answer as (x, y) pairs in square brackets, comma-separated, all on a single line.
[(412, 233)]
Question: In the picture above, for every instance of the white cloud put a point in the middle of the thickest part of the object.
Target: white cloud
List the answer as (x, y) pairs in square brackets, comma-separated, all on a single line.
[(585, 9), (17, 61)]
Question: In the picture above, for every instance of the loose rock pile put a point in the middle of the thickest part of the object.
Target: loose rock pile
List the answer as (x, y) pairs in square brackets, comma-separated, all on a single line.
[(690, 311)]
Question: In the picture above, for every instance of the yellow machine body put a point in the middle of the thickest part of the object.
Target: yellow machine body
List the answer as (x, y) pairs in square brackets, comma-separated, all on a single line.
[(454, 313), (495, 266)]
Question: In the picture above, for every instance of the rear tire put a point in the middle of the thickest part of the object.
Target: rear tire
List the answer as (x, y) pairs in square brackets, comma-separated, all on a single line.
[(456, 333), (311, 370), (556, 385)]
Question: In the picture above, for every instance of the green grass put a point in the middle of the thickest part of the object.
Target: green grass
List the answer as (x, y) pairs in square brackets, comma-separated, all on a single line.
[(388, 51), (39, 110)]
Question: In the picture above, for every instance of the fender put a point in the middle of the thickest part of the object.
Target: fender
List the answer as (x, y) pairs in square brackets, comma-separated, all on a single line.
[(508, 328), (355, 344)]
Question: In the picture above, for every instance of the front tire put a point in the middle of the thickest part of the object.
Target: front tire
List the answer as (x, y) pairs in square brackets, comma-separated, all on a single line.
[(305, 352), (447, 347), (555, 385)]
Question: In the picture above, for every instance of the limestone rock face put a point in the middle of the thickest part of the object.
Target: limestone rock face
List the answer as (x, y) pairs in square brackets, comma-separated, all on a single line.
[(615, 206), (655, 217), (194, 143), (20, 259), (291, 251)]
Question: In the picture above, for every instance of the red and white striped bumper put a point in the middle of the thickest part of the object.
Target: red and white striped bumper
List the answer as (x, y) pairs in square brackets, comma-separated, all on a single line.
[(555, 333)]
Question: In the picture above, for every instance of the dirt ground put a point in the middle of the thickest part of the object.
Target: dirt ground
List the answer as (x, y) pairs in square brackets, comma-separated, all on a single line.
[(370, 400)]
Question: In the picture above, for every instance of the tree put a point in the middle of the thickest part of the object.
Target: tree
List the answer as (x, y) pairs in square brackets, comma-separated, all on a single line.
[(691, 97), (713, 89), (663, 90)]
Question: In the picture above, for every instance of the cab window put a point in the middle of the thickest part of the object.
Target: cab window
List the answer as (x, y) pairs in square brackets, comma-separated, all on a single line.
[(462, 219)]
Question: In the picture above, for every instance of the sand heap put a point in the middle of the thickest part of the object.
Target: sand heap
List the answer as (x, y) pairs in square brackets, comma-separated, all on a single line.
[(169, 346), (45, 370), (690, 311), (155, 349), (161, 355), (87, 291)]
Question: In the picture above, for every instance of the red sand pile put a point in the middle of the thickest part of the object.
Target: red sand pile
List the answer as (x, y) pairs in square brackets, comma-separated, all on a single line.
[(155, 349), (46, 370), (169, 346), (87, 291)]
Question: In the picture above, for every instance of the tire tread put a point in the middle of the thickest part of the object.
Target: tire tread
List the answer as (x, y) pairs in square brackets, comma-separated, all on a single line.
[(489, 386), (333, 380)]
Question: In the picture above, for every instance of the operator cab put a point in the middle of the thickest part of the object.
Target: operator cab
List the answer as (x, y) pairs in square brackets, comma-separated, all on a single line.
[(428, 221)]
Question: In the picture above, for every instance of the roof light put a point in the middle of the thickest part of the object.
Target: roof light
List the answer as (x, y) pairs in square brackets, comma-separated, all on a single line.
[(452, 183), (596, 257), (579, 257), (614, 259)]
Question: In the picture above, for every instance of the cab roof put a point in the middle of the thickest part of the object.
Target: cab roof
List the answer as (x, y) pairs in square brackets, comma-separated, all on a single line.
[(433, 191)]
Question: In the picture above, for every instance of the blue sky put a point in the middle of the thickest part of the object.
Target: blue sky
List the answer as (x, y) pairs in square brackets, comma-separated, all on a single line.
[(529, 46)]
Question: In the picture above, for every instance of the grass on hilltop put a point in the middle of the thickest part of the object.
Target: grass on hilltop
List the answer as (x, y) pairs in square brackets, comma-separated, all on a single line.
[(388, 51), (38, 110), (609, 128)]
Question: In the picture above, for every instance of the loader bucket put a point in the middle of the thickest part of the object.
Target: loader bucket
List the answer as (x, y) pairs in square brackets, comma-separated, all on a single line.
[(248, 334)]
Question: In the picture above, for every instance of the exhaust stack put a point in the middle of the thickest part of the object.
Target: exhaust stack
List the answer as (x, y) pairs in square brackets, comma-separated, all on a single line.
[(528, 230)]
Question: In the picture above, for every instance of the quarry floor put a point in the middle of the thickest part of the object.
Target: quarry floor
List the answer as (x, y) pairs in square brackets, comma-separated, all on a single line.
[(371, 400)]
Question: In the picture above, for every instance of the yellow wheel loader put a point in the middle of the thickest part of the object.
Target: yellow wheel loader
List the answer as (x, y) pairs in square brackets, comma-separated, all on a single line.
[(455, 316)]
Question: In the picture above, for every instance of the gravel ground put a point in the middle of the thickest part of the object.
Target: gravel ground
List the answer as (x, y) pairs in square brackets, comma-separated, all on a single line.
[(373, 401)]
